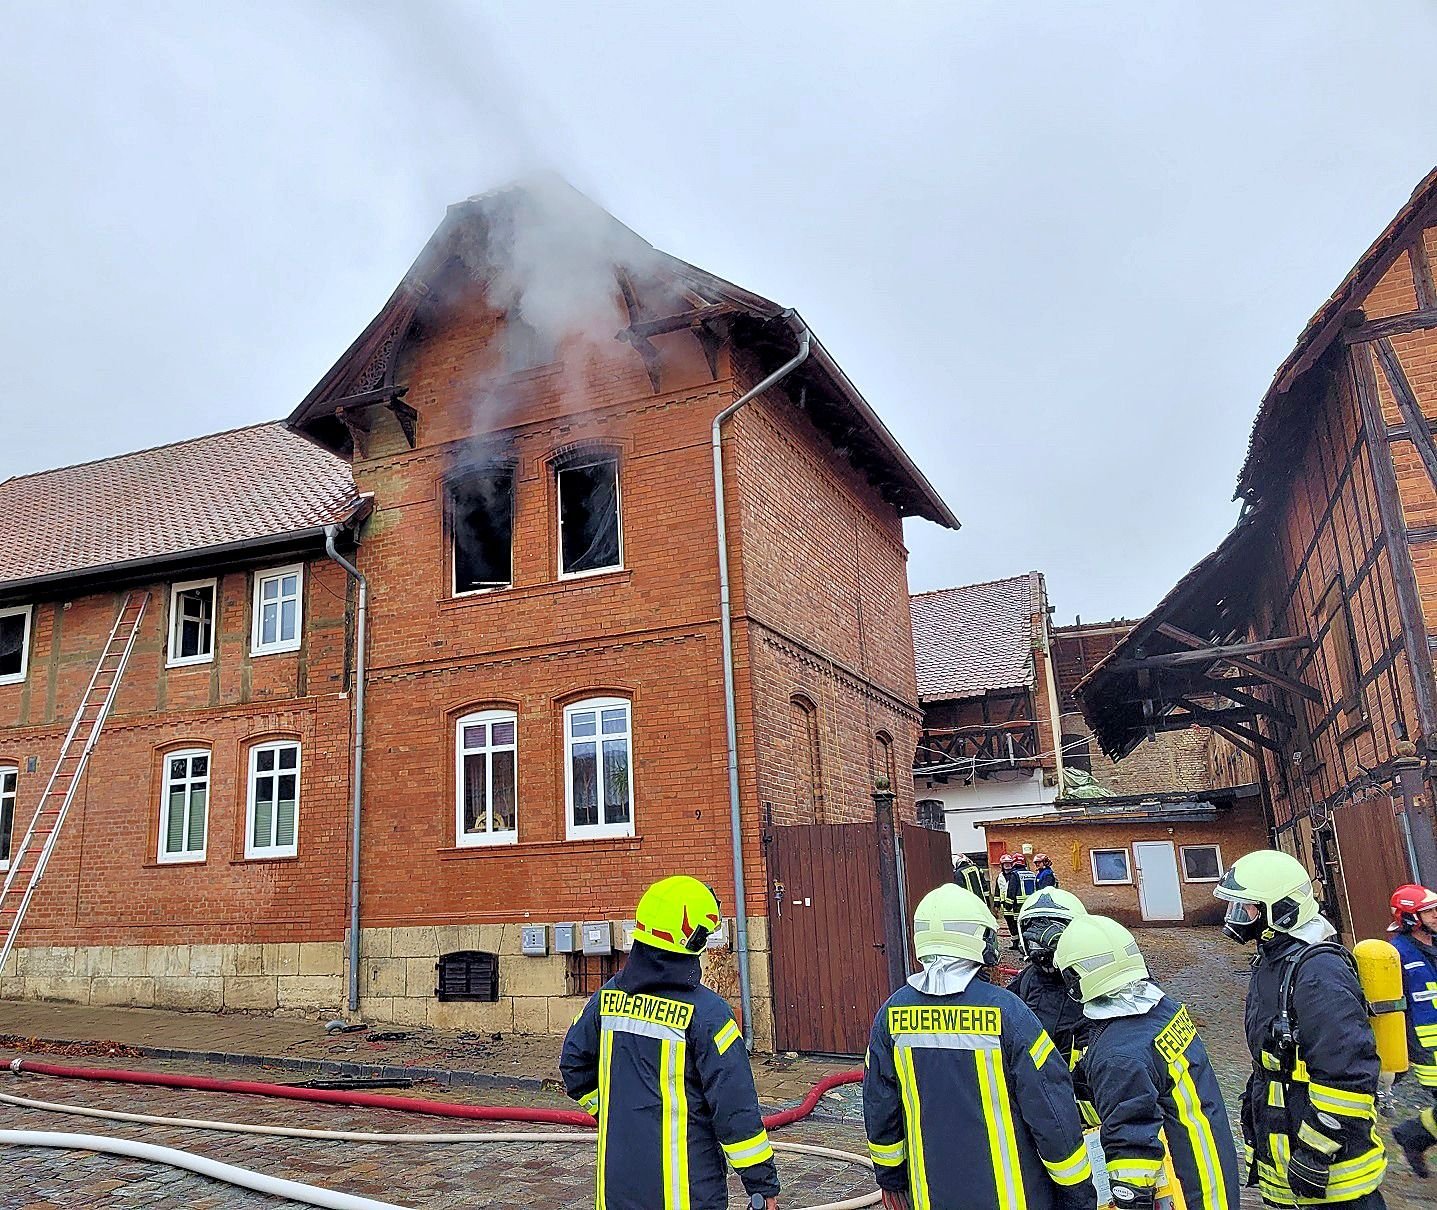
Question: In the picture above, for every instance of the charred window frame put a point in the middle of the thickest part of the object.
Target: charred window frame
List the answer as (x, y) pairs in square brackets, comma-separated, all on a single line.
[(480, 507), (1335, 616), (590, 513)]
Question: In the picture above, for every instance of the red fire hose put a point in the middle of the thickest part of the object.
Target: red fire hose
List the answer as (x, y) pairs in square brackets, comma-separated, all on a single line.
[(374, 1100)]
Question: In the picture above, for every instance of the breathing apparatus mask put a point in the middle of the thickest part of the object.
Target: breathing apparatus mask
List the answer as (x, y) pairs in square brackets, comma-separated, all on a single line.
[(1039, 937)]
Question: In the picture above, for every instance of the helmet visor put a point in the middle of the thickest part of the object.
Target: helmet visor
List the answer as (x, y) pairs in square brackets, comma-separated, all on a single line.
[(1243, 922)]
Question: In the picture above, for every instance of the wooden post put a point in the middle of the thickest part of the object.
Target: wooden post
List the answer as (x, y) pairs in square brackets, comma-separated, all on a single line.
[(890, 893)]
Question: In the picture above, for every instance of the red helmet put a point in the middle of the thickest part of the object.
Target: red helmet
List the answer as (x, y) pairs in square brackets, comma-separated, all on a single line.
[(1407, 901), (1020, 861), (1041, 859), (1006, 859)]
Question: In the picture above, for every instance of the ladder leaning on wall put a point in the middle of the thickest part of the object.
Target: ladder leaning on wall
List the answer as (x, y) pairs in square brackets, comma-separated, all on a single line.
[(28, 861)]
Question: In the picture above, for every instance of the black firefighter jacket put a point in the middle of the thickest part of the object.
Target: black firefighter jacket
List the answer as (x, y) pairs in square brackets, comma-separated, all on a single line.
[(1150, 1079), (1045, 993), (1321, 1101), (967, 1103), (659, 1060)]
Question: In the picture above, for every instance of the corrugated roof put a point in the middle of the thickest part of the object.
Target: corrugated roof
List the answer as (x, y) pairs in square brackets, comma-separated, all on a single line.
[(243, 485), (976, 638)]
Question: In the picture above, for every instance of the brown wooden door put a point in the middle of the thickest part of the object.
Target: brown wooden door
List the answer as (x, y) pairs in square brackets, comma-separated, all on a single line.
[(1373, 858), (830, 970), (927, 863)]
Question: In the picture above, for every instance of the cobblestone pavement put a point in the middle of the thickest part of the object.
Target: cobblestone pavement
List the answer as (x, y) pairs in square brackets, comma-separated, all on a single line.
[(551, 1175)]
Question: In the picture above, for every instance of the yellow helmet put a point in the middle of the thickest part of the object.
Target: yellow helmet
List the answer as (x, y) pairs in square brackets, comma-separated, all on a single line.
[(676, 914), (1045, 914), (953, 922), (1097, 957), (1277, 884)]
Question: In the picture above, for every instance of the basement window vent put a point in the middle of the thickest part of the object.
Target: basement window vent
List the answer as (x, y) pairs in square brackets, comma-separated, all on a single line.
[(468, 975)]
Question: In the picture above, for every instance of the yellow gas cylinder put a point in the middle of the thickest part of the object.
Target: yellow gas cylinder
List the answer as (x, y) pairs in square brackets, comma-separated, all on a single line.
[(1379, 969)]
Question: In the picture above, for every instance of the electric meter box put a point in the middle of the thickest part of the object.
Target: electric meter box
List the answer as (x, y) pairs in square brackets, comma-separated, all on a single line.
[(719, 937), (625, 931), (566, 938), (534, 940), (598, 938)]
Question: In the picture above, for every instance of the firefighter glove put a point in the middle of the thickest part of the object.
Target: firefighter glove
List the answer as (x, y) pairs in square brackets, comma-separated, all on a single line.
[(1307, 1174)]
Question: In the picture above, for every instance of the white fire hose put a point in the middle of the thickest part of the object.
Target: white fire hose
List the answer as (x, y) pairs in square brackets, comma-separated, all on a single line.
[(309, 1194)]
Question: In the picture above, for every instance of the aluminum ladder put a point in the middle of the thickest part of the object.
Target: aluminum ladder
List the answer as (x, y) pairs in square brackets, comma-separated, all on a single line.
[(28, 861)]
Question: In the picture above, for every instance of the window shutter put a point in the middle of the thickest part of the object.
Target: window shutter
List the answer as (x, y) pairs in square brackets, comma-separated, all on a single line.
[(198, 797), (264, 814), (284, 826), (175, 824)]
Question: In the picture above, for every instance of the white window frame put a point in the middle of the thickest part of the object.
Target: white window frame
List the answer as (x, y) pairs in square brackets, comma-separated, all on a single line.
[(600, 830), (1182, 861), (1127, 861), (618, 516), (176, 660), (14, 797), (252, 786), (26, 611), (185, 856), (489, 836), (454, 590), (256, 645)]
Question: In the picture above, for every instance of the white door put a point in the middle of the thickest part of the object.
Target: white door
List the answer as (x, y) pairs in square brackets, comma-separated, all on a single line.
[(1159, 892)]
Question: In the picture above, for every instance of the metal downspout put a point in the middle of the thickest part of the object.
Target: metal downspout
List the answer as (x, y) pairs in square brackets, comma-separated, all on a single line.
[(805, 342), (356, 776)]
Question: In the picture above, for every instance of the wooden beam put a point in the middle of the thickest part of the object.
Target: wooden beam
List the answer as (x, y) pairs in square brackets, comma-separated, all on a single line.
[(408, 420), (369, 398), (1208, 655), (1271, 676), (1221, 688), (1231, 720), (1389, 505), (1417, 425), (1422, 274), (681, 322), (1377, 329)]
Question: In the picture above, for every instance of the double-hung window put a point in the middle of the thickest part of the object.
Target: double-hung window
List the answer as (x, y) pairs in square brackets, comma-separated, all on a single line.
[(14, 643), (9, 776), (598, 768), (192, 622), (487, 781), (590, 538), (272, 817), (184, 810), (278, 610)]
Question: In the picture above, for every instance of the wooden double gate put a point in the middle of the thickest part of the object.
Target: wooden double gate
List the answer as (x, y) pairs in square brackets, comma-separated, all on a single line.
[(825, 911)]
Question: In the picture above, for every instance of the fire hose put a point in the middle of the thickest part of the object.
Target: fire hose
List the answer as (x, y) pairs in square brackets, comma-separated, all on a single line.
[(329, 1198)]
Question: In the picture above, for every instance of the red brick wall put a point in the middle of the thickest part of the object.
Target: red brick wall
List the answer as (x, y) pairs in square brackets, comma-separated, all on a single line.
[(103, 885)]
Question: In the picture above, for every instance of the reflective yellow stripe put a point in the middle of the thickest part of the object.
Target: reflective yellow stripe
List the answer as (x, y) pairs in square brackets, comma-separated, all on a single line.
[(589, 1102), (1072, 1170), (727, 1036), (1340, 1100), (1277, 1095), (1088, 1113), (1317, 1140), (606, 1058), (749, 1152), (1002, 1146), (888, 1155), (1139, 1173), (917, 1170), (1200, 1136), (672, 1065), (1041, 1049), (1426, 1074)]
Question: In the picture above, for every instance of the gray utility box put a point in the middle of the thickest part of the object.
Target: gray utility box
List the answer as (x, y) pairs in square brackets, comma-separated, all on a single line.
[(566, 939), (598, 937), (626, 934), (534, 940)]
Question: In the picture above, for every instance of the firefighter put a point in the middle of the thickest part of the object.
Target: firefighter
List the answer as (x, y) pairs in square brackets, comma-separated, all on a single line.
[(970, 877), (1147, 1072), (1012, 867), (966, 1101), (1414, 921), (1046, 875), (659, 1060), (1039, 985), (1309, 1114)]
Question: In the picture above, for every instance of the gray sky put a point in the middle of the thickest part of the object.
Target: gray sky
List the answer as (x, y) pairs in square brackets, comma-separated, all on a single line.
[(1060, 247)]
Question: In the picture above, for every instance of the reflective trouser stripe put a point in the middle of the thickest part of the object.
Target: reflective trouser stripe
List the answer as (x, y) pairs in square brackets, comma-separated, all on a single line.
[(749, 1152), (888, 1155), (1426, 1074), (672, 1066), (1346, 1180), (917, 1169), (1002, 1146), (606, 1062), (1341, 1101), (1200, 1136), (1073, 1169), (1041, 1049), (1139, 1173)]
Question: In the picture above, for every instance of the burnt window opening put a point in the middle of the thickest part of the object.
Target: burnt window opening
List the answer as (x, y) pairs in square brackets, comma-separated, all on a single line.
[(481, 521), (1334, 613), (468, 975), (931, 814), (526, 347), (589, 517), (1077, 751), (584, 974)]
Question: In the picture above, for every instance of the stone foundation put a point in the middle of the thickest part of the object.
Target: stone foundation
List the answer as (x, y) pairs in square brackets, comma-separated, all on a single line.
[(397, 975)]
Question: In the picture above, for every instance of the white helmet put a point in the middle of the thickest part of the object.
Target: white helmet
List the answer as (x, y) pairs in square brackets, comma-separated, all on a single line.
[(953, 922), (1097, 957), (1273, 882)]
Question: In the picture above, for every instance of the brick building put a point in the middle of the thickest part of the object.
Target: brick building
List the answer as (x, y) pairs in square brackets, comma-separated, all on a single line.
[(1305, 640), (531, 504)]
